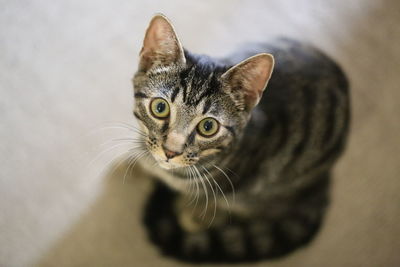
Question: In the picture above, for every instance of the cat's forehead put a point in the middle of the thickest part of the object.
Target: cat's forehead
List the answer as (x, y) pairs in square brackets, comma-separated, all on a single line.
[(191, 86), (192, 91)]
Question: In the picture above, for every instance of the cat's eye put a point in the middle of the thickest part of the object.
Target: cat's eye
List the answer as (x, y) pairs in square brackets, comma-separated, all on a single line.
[(159, 108), (208, 127)]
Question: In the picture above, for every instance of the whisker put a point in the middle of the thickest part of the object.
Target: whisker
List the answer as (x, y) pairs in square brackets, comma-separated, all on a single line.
[(197, 187), (129, 138), (105, 151), (189, 186), (222, 192), (205, 190), (131, 162), (112, 162), (124, 140), (131, 127), (215, 198), (229, 180), (137, 160), (234, 173), (118, 126)]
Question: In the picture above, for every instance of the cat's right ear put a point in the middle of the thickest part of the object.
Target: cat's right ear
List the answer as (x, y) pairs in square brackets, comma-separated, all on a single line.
[(161, 46)]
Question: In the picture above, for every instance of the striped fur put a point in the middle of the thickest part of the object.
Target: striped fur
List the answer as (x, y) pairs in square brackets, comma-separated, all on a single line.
[(278, 156)]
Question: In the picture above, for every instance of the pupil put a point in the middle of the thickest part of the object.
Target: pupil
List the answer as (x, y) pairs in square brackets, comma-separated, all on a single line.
[(160, 107), (208, 125)]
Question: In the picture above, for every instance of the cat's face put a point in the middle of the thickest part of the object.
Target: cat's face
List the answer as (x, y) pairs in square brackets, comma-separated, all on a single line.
[(192, 110), (186, 118)]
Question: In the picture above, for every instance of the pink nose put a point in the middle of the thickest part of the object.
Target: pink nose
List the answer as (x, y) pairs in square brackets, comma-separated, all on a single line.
[(170, 154)]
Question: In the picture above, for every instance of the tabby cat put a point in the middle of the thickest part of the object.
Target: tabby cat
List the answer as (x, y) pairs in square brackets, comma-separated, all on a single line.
[(242, 174)]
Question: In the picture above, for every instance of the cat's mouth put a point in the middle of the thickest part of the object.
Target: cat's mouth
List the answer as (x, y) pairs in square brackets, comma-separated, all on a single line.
[(167, 164)]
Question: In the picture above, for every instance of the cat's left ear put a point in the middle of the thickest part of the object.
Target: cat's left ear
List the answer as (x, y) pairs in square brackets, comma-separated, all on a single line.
[(247, 80), (161, 46)]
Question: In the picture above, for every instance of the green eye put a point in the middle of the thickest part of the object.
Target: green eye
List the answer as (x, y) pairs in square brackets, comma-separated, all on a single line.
[(208, 127), (159, 108)]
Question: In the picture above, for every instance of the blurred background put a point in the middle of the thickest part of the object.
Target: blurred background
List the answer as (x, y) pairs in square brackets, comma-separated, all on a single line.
[(65, 70)]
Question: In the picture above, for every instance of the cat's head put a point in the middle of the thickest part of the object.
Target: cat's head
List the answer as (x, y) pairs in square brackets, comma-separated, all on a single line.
[(190, 107)]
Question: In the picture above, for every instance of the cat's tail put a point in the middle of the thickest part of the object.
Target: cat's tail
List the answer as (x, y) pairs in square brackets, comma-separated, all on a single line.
[(234, 242)]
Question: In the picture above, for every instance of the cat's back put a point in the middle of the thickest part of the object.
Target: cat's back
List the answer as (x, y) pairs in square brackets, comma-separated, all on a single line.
[(300, 71), (302, 119)]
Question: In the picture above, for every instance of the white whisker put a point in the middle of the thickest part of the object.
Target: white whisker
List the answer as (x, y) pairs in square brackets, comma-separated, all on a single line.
[(215, 198), (189, 186), (132, 162), (105, 151), (124, 141), (197, 187), (112, 162), (126, 126), (229, 180), (120, 125), (223, 194), (205, 190)]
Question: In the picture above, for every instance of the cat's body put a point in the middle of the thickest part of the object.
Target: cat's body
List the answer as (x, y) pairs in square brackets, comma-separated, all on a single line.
[(273, 162)]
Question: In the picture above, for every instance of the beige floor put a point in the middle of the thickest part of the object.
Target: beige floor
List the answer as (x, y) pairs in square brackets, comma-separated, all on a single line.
[(65, 68)]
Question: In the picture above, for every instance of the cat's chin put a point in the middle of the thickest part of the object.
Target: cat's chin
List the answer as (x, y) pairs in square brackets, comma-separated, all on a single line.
[(168, 165)]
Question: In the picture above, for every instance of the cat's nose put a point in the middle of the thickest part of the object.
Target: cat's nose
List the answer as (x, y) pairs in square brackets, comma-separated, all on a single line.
[(170, 154)]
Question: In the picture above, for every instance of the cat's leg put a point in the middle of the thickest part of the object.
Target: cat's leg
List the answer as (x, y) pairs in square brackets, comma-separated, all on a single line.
[(187, 232), (199, 214), (297, 225), (179, 231)]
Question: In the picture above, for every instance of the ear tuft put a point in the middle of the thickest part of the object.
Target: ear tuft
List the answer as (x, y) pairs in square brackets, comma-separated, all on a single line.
[(249, 78), (161, 46)]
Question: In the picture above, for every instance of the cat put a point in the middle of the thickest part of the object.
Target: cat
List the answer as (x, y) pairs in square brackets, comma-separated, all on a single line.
[(242, 148)]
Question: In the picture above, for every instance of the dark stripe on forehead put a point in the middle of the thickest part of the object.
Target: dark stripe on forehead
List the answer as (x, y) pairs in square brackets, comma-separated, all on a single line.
[(202, 83), (207, 106), (184, 76), (196, 99), (201, 77), (174, 93), (184, 93), (140, 95)]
